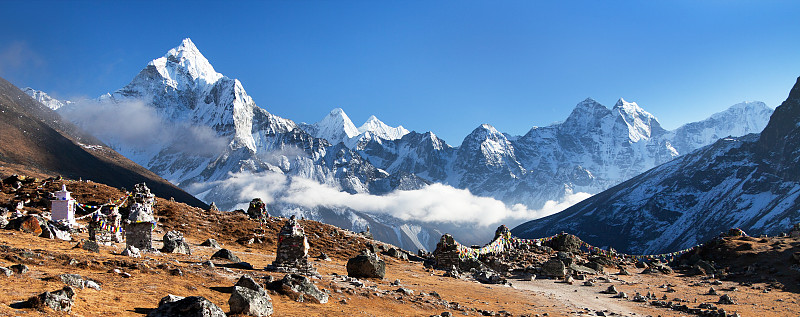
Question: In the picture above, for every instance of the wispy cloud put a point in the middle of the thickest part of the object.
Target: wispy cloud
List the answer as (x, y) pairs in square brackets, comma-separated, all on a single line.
[(18, 56)]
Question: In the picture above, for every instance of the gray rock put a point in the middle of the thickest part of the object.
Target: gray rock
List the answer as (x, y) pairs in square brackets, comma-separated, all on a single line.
[(489, 277), (6, 271), (248, 282), (175, 243), (366, 265), (211, 243), (250, 302), (131, 251), (726, 300), (554, 268), (89, 245), (193, 306), (611, 290), (60, 300), (73, 280), (225, 254), (19, 268), (295, 285)]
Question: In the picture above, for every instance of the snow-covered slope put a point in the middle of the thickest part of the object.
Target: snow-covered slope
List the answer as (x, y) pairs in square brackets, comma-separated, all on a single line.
[(751, 182), (200, 130), (209, 137), (45, 99)]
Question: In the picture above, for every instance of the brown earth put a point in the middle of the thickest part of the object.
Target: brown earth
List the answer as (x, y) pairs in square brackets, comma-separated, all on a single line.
[(151, 276)]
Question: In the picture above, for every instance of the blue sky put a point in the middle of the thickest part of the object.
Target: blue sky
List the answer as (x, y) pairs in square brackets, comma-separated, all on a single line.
[(444, 66)]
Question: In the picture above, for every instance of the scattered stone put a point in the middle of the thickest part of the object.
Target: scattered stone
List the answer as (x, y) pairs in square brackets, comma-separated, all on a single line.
[(621, 295), (569, 280), (298, 286), (131, 251), (6, 271), (211, 243), (209, 264), (726, 300), (712, 291), (248, 282), (73, 280), (19, 268), (588, 283), (225, 254), (623, 271), (639, 298), (405, 291), (176, 272), (88, 245), (324, 257), (251, 302), (366, 265), (175, 243), (489, 277), (60, 300), (195, 306), (396, 253), (611, 290)]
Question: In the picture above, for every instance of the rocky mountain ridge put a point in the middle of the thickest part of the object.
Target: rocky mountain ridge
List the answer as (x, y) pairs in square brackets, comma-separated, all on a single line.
[(748, 182)]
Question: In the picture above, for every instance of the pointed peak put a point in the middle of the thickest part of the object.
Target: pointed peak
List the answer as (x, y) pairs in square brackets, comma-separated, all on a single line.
[(621, 103), (187, 57), (373, 118), (382, 130), (589, 103)]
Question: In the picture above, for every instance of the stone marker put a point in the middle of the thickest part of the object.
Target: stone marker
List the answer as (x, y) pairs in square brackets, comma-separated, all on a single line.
[(292, 252)]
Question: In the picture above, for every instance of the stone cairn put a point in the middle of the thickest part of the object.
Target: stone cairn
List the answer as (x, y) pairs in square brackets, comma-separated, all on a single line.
[(105, 225), (446, 253), (257, 209), (292, 254), (140, 222)]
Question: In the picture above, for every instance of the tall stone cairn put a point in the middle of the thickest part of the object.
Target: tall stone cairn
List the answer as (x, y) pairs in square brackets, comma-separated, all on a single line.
[(292, 254), (140, 222), (446, 253)]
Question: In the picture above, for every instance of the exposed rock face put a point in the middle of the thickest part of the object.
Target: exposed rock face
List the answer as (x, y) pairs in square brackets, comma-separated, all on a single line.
[(175, 243), (193, 306), (747, 182), (292, 253), (367, 265)]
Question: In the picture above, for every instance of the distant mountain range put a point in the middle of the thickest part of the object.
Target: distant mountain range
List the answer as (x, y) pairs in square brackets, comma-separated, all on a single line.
[(750, 182), (201, 131)]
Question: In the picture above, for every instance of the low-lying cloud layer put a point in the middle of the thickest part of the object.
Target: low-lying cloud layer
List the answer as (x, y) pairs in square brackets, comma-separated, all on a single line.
[(136, 126), (436, 203)]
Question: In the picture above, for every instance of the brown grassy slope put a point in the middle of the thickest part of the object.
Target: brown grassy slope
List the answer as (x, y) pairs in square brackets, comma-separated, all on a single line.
[(35, 140)]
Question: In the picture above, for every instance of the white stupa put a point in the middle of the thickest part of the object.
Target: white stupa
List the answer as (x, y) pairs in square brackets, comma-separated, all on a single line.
[(63, 207)]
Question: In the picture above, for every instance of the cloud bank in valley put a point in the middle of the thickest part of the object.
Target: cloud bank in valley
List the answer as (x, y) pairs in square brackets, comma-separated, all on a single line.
[(435, 203)]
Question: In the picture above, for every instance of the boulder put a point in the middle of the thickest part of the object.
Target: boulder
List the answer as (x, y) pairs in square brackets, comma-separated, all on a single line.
[(554, 268), (60, 300), (225, 254), (396, 253), (131, 251), (175, 243), (88, 245), (250, 302), (566, 243), (211, 243), (19, 268), (248, 282), (73, 280), (51, 231), (366, 265), (489, 277), (296, 285), (193, 306), (6, 271)]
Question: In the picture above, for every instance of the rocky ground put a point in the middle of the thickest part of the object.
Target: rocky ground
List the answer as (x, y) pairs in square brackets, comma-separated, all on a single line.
[(760, 275)]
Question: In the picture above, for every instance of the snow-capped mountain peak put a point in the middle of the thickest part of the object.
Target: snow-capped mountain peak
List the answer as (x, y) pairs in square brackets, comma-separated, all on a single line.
[(641, 124), (382, 130), (45, 99), (335, 127), (186, 60)]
